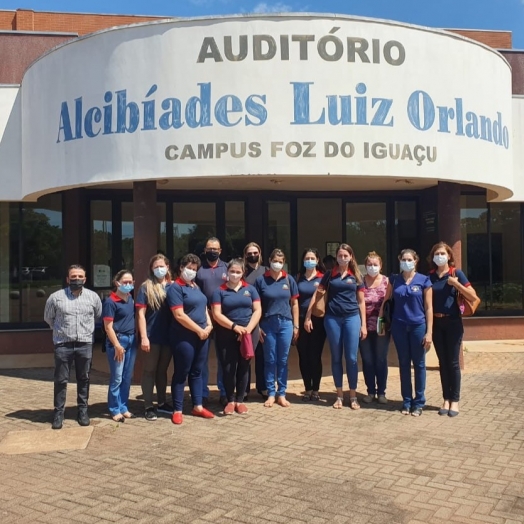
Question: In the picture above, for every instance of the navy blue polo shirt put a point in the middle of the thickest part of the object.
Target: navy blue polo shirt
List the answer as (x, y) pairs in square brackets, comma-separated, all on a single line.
[(409, 299), (122, 314), (342, 293), (444, 295), (157, 320), (306, 289), (237, 306), (191, 299), (276, 294), (210, 278)]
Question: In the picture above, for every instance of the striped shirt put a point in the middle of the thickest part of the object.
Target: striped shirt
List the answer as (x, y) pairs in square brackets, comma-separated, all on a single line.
[(72, 317)]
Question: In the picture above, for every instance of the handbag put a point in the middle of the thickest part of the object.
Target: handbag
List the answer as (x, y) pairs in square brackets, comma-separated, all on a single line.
[(466, 306), (246, 346), (319, 306), (387, 308)]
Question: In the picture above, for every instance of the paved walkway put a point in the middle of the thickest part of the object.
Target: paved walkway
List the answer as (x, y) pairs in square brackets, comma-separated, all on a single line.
[(309, 463)]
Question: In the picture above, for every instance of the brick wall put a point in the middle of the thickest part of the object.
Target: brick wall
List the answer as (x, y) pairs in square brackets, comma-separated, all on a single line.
[(495, 39)]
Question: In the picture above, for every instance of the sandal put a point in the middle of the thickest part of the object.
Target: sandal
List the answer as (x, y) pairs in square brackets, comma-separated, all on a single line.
[(315, 396), (338, 403), (306, 397), (353, 403), (118, 418)]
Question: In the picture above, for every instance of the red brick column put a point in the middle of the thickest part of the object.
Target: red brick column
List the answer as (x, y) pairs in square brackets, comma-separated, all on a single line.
[(146, 232)]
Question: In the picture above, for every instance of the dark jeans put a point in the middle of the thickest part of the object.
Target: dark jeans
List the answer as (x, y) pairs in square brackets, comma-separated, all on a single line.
[(82, 354), (447, 338), (374, 354), (234, 366), (190, 356), (310, 346)]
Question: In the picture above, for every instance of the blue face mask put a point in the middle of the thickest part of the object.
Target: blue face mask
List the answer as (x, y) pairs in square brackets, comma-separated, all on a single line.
[(126, 288), (407, 266), (310, 264)]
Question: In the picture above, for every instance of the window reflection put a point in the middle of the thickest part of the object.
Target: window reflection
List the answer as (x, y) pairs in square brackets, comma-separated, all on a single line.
[(279, 229), (235, 230), (101, 243), (128, 235)]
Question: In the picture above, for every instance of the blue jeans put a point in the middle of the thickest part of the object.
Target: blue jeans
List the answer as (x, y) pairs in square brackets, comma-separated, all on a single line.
[(121, 374), (220, 374), (278, 335), (343, 334), (190, 357), (408, 341), (374, 353)]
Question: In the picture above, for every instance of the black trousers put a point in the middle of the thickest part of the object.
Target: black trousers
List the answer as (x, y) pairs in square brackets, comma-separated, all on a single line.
[(260, 380), (310, 346), (235, 368), (81, 353), (447, 338)]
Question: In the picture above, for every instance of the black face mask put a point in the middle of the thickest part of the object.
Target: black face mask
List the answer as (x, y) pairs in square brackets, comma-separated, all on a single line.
[(212, 256), (253, 259), (76, 284)]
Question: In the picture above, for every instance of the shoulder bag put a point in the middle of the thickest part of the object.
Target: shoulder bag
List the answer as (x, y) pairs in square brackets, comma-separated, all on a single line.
[(387, 308), (319, 306), (466, 306)]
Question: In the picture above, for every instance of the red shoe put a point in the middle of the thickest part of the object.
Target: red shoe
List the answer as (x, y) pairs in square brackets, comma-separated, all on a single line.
[(177, 418), (229, 409), (241, 409), (205, 413)]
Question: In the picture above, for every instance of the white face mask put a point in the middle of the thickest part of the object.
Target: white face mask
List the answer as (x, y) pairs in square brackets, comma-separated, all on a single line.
[(373, 271), (440, 260), (160, 272), (234, 278), (276, 266), (188, 274), (407, 265), (342, 262)]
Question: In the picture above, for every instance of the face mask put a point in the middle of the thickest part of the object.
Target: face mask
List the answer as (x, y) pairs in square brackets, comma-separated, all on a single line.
[(126, 288), (76, 284), (160, 272), (234, 278), (276, 266), (310, 264), (407, 266), (253, 259), (188, 274), (342, 262), (212, 256), (440, 260), (372, 271)]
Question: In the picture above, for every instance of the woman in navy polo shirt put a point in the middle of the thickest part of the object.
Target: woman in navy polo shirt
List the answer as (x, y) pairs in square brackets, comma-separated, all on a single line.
[(154, 319), (345, 320), (310, 344), (236, 309), (411, 328), (279, 325), (118, 313), (447, 324), (189, 337)]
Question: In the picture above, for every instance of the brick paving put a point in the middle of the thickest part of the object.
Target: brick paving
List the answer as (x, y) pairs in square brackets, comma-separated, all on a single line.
[(306, 464)]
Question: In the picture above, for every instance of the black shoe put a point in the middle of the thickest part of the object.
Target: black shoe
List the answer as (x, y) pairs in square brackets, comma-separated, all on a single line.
[(223, 401), (150, 414), (58, 420), (246, 398), (83, 418), (443, 411), (165, 408)]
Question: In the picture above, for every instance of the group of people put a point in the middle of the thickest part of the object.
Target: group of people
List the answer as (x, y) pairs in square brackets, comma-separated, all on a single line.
[(177, 313)]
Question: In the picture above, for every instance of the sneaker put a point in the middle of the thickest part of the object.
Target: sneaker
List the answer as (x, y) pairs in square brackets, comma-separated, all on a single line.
[(417, 412), (177, 418), (223, 401), (165, 408), (58, 420), (382, 399), (229, 409), (150, 414), (83, 418), (368, 399)]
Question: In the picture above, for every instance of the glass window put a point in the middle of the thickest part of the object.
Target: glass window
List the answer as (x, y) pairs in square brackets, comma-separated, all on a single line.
[(366, 230), (10, 270), (406, 232), (42, 249), (193, 224), (101, 242), (279, 229), (162, 239), (235, 230), (319, 223), (128, 235), (474, 239)]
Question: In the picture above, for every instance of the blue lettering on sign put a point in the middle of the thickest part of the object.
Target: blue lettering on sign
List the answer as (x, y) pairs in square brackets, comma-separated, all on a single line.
[(121, 114)]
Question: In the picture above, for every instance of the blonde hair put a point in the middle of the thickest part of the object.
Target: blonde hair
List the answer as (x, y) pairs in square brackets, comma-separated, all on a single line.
[(372, 254), (353, 265), (154, 290)]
